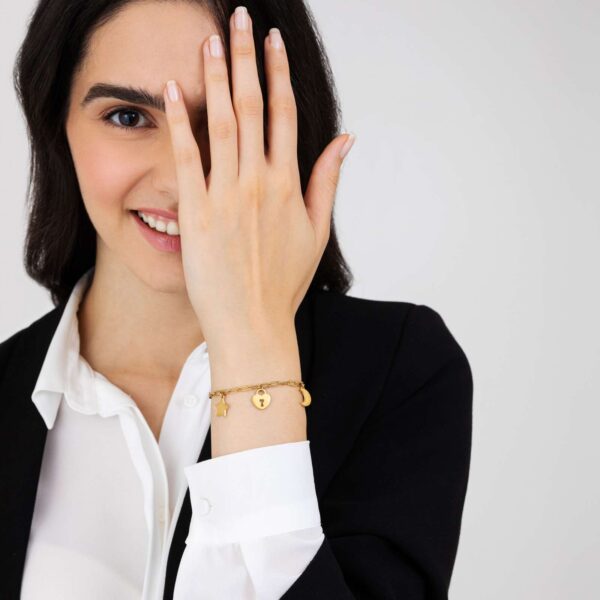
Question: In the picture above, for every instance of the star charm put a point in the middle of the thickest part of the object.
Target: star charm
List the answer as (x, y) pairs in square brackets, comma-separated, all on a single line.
[(222, 407)]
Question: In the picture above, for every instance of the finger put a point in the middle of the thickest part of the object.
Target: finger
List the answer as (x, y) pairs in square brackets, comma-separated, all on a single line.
[(188, 161), (323, 183), (222, 124), (247, 94), (282, 120)]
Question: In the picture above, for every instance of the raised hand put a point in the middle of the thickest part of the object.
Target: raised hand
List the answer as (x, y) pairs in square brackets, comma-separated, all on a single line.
[(250, 242)]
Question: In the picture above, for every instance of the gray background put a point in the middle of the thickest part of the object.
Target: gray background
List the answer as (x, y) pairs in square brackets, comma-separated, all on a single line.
[(472, 189)]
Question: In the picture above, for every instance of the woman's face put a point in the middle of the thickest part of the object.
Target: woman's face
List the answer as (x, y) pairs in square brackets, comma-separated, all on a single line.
[(125, 161)]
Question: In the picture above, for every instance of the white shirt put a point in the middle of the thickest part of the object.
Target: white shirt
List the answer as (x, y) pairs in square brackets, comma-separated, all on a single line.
[(109, 494)]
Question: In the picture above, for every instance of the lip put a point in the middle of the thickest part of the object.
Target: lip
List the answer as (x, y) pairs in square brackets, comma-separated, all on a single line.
[(161, 241), (159, 212)]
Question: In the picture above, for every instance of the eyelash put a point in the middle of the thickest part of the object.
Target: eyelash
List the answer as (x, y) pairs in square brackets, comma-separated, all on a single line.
[(106, 118)]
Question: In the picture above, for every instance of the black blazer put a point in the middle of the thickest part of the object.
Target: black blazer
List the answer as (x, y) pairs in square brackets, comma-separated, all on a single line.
[(390, 439)]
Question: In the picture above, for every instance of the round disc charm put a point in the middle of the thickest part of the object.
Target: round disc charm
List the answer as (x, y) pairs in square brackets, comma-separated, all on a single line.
[(261, 399), (306, 400)]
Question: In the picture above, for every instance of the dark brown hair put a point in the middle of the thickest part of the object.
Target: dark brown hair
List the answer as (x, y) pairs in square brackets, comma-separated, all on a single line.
[(60, 243)]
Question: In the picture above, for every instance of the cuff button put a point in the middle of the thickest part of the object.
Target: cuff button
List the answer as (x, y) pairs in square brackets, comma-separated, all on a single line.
[(203, 507)]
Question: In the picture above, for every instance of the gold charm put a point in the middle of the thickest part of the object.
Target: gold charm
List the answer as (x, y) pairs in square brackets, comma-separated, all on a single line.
[(222, 407), (261, 399), (306, 400)]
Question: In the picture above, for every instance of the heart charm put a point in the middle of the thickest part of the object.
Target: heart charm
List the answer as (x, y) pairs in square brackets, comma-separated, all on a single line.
[(261, 399)]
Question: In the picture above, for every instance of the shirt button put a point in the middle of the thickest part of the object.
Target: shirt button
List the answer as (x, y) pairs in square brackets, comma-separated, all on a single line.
[(203, 507), (161, 513), (190, 400)]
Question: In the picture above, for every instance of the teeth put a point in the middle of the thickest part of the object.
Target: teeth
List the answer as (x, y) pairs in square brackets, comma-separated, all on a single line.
[(170, 227)]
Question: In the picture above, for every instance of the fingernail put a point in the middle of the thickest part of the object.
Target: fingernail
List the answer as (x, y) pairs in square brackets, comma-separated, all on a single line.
[(172, 91), (241, 18), (347, 146), (275, 38), (216, 47)]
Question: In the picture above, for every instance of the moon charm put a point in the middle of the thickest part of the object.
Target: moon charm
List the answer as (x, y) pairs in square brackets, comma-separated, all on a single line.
[(306, 399)]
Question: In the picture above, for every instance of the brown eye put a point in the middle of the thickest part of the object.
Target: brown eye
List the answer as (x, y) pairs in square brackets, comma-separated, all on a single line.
[(127, 118)]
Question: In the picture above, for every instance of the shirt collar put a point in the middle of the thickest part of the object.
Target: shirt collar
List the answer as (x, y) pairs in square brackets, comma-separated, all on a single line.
[(62, 359), (65, 374)]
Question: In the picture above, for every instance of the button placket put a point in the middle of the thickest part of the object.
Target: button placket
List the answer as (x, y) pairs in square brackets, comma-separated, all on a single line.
[(161, 514)]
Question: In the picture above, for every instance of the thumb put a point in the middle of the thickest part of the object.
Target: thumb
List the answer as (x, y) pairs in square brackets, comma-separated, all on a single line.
[(323, 183)]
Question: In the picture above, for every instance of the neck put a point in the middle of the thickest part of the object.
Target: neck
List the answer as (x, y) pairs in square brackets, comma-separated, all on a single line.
[(127, 326)]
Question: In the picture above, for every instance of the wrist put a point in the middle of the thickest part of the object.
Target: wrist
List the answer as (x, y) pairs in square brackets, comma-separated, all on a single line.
[(244, 356)]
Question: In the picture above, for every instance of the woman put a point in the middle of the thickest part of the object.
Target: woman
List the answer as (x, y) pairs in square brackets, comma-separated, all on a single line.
[(185, 164)]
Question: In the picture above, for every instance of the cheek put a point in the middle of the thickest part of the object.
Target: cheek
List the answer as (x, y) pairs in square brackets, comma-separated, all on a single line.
[(106, 171)]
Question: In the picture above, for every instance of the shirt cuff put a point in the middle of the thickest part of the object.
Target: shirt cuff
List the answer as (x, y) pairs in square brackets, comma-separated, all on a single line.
[(252, 494)]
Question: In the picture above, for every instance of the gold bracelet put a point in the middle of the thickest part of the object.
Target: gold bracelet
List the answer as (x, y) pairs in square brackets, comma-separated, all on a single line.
[(261, 399)]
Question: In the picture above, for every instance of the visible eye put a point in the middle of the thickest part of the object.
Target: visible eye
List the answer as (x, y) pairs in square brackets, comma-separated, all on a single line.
[(129, 119)]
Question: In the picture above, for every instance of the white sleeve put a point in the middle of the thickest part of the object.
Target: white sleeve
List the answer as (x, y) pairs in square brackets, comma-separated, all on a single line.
[(255, 524)]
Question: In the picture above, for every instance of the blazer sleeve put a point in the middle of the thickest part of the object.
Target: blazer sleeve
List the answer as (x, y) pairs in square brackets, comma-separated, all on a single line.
[(392, 515)]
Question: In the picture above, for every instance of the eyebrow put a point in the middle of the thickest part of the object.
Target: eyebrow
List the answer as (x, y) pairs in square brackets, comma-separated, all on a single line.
[(135, 95)]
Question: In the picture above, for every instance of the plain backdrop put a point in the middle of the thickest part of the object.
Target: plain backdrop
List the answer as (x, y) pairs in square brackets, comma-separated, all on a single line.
[(472, 188)]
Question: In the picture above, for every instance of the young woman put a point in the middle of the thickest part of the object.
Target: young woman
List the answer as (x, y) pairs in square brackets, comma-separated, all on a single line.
[(206, 413)]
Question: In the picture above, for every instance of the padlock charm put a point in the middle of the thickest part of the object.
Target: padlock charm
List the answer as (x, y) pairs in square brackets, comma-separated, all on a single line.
[(261, 399)]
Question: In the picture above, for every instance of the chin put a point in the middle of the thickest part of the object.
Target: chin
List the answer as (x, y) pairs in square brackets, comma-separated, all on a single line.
[(157, 275), (167, 278)]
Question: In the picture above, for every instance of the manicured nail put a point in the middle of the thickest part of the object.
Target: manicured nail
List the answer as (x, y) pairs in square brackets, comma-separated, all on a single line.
[(172, 91), (275, 38), (241, 18), (347, 146), (216, 46)]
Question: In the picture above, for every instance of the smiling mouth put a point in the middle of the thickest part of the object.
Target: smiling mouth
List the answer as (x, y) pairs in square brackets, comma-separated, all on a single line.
[(174, 228)]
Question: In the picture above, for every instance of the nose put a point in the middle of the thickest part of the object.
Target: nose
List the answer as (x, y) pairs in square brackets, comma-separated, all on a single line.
[(164, 171)]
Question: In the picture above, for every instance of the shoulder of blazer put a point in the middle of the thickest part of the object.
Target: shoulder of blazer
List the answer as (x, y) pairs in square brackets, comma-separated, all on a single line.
[(368, 357), (48, 322), (405, 336), (30, 343)]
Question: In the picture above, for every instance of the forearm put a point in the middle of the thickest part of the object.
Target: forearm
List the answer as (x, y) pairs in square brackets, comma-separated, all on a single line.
[(250, 356)]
